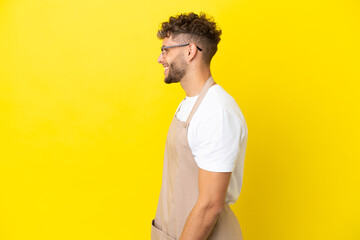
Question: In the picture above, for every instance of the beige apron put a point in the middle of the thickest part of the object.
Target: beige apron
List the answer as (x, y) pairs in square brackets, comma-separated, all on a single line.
[(179, 190)]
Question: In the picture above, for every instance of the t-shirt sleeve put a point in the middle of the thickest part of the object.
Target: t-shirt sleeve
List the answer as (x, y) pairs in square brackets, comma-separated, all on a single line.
[(218, 142)]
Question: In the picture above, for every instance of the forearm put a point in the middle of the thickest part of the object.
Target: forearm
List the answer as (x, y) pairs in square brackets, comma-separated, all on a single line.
[(200, 222)]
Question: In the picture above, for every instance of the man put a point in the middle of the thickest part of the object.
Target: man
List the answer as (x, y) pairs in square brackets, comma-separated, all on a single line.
[(206, 142)]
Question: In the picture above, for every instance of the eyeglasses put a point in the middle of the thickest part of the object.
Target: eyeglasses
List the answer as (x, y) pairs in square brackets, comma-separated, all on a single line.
[(164, 49)]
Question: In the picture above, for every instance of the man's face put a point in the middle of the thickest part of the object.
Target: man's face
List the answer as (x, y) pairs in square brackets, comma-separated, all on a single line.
[(173, 62)]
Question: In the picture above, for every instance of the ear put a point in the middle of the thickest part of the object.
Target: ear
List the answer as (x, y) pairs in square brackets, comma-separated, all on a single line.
[(191, 52)]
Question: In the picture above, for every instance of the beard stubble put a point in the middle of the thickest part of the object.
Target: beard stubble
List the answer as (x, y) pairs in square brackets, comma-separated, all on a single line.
[(177, 70)]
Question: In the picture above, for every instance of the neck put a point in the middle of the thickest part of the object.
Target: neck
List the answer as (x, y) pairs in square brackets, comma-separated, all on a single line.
[(194, 80)]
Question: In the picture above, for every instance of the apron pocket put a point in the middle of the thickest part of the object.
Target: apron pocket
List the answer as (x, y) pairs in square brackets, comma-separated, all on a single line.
[(157, 234)]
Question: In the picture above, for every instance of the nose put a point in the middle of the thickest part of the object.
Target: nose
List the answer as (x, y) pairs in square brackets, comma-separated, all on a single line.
[(160, 58)]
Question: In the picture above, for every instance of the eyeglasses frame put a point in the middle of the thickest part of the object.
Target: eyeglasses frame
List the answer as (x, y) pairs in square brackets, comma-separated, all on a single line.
[(180, 45)]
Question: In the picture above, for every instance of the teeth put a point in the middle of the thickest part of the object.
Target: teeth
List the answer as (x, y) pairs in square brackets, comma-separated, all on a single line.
[(166, 68)]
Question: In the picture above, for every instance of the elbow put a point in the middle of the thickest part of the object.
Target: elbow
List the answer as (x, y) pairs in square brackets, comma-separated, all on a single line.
[(218, 209), (212, 207)]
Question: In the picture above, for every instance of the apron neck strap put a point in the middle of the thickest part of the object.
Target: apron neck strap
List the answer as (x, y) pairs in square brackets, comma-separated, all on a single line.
[(202, 94)]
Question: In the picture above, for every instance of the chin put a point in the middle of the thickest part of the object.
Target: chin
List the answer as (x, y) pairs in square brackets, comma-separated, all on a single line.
[(168, 81)]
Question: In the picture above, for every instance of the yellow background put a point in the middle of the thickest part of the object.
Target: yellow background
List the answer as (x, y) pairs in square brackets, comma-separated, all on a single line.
[(84, 114)]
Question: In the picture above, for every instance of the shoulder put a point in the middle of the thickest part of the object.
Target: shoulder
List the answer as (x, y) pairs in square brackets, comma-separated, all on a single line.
[(218, 102), (217, 111)]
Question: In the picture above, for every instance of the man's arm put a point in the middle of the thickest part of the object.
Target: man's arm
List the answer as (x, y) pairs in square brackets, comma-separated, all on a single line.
[(212, 192)]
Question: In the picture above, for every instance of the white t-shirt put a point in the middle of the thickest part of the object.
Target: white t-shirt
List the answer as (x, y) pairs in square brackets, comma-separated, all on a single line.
[(217, 135)]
